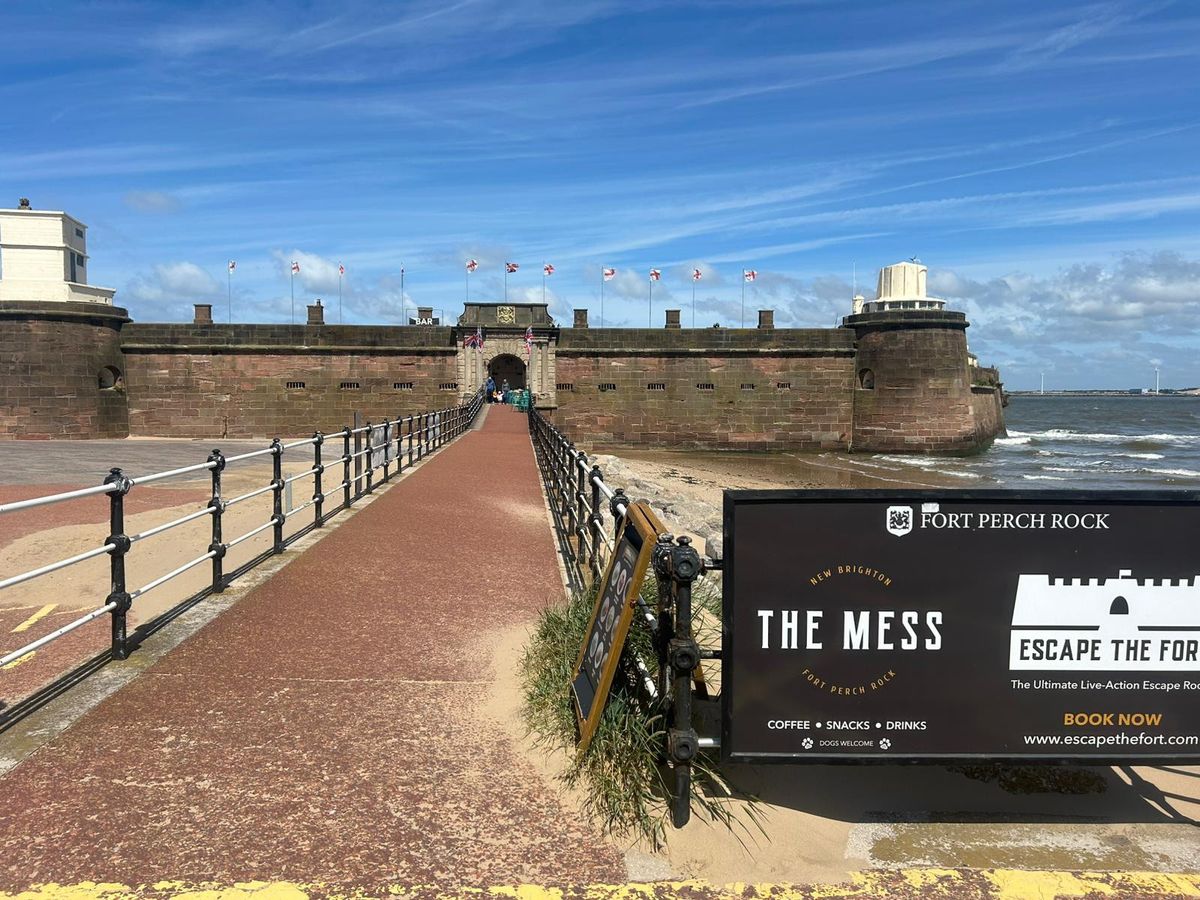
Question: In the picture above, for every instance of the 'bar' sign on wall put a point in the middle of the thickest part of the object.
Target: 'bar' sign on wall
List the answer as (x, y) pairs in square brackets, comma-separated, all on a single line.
[(1049, 625)]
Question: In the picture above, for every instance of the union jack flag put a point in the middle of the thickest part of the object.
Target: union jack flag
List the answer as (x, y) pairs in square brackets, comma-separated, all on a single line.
[(548, 269), (529, 340), (472, 265), (749, 274), (474, 340), (295, 267), (511, 267), (655, 274), (696, 276), (232, 264), (610, 274)]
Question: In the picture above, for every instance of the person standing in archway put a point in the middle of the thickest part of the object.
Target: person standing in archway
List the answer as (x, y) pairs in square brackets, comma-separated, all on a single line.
[(490, 388), (504, 390)]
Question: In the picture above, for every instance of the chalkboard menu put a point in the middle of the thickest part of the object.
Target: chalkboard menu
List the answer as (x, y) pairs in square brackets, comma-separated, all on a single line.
[(615, 602)]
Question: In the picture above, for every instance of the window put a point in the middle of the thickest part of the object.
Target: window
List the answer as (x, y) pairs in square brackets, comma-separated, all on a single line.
[(565, 386), (402, 385), (747, 386), (109, 379), (866, 379), (295, 385), (607, 386), (783, 385), (78, 232), (349, 386), (706, 386), (448, 386), (656, 386)]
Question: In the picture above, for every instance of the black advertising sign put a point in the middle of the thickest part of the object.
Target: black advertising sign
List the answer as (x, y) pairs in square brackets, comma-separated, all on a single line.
[(616, 598), (1046, 625)]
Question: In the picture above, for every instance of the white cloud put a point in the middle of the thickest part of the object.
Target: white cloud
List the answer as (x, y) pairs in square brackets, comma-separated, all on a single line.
[(317, 274), (169, 290), (152, 201)]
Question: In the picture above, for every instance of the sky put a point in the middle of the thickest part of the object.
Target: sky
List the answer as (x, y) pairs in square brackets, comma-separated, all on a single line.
[(1039, 157)]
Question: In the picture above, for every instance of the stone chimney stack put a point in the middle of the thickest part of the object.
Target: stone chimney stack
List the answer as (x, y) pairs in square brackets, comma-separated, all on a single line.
[(316, 314), (424, 312), (766, 318), (673, 318), (203, 314), (580, 318)]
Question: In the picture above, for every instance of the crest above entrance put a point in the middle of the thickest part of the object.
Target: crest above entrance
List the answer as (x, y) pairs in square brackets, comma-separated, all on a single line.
[(501, 315)]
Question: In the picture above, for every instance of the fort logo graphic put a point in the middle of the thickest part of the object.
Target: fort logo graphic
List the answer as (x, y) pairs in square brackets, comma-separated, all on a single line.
[(899, 520), (1115, 624)]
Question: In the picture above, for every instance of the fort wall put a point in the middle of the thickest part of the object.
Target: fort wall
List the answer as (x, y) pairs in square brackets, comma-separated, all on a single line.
[(714, 388)]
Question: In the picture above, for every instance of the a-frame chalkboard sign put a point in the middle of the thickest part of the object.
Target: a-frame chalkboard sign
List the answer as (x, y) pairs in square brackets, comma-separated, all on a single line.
[(616, 599)]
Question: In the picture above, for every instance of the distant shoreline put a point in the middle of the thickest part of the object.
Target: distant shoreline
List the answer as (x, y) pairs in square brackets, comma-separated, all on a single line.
[(1185, 392)]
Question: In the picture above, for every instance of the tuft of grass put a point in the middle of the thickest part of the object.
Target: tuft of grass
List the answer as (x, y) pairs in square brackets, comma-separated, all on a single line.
[(622, 777)]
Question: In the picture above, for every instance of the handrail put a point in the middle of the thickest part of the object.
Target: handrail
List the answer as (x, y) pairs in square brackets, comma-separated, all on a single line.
[(433, 430)]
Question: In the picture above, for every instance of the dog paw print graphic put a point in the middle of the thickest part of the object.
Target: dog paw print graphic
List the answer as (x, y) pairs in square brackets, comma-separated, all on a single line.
[(884, 744), (807, 743)]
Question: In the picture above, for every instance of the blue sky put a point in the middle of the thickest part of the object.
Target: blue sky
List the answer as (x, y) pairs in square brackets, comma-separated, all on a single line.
[(1039, 157)]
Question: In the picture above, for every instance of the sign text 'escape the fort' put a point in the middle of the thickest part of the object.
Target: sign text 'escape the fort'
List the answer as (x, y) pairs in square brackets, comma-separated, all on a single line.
[(1034, 625)]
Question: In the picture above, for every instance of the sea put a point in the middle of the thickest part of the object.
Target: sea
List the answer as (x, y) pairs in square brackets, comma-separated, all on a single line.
[(1094, 442)]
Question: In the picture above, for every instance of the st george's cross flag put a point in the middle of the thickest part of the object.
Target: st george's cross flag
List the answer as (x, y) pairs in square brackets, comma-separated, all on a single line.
[(472, 265), (548, 269), (295, 267), (749, 274), (696, 275), (341, 269), (610, 274), (511, 267), (232, 264), (655, 274)]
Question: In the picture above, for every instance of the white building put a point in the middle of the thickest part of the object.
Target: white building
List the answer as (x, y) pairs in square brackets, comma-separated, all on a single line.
[(43, 257), (901, 286)]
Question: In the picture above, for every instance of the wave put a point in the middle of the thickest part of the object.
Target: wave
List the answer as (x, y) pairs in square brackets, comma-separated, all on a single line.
[(1042, 478), (1180, 473), (1141, 455), (1012, 441), (1066, 434)]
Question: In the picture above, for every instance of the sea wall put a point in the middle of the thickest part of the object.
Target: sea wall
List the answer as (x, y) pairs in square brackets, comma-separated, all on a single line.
[(718, 388), (268, 380)]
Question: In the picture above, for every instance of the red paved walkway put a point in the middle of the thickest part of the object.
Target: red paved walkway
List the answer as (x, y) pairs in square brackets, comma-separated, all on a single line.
[(333, 726)]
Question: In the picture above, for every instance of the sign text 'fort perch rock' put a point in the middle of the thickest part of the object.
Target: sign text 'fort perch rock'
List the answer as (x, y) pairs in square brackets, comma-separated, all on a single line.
[(896, 376)]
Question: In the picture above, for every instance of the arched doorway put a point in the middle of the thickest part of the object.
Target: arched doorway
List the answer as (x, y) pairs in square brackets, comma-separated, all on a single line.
[(507, 367)]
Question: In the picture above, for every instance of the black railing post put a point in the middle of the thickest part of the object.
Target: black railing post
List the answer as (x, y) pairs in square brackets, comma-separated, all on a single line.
[(346, 495), (578, 464), (399, 444), (217, 505), (596, 521), (121, 544), (318, 493), (277, 485), (387, 450), (357, 456), (370, 460), (410, 440), (683, 654)]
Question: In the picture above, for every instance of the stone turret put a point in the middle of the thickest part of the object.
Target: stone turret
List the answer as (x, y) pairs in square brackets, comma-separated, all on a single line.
[(43, 255)]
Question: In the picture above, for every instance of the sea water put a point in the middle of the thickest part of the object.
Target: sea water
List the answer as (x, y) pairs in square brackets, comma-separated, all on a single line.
[(1107, 442)]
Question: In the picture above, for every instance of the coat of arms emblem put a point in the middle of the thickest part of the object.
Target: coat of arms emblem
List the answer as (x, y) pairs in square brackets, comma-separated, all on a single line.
[(506, 315), (899, 520)]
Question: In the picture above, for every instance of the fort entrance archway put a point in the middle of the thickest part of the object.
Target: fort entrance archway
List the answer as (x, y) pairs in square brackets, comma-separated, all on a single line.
[(510, 368)]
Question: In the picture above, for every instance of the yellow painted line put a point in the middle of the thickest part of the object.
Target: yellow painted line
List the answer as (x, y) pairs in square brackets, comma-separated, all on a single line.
[(994, 884), (16, 662), (35, 618)]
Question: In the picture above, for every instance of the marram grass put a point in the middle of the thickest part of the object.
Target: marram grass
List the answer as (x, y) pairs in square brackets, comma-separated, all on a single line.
[(622, 776)]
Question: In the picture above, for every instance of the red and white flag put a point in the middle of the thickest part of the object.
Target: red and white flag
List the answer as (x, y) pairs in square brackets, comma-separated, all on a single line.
[(548, 269), (232, 264), (696, 275), (511, 267), (472, 265), (295, 267), (749, 274), (655, 274), (529, 340), (342, 269), (610, 274)]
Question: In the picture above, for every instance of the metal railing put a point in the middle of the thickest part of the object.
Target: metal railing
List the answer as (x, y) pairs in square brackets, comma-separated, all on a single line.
[(391, 446), (579, 500)]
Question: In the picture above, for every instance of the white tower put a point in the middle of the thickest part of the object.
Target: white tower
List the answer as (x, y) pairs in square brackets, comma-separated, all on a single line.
[(902, 286), (43, 257)]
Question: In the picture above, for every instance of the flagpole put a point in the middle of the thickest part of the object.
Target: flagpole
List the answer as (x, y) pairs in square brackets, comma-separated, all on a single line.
[(468, 271), (230, 274), (743, 322), (543, 282), (650, 306), (340, 277), (506, 282), (602, 296), (401, 284), (693, 302), (293, 298)]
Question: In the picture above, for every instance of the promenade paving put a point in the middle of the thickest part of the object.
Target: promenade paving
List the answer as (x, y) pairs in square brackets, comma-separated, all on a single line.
[(332, 728)]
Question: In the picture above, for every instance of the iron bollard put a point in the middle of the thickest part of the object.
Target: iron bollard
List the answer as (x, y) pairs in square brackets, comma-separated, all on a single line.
[(121, 544), (217, 505), (318, 494), (682, 564), (277, 485)]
